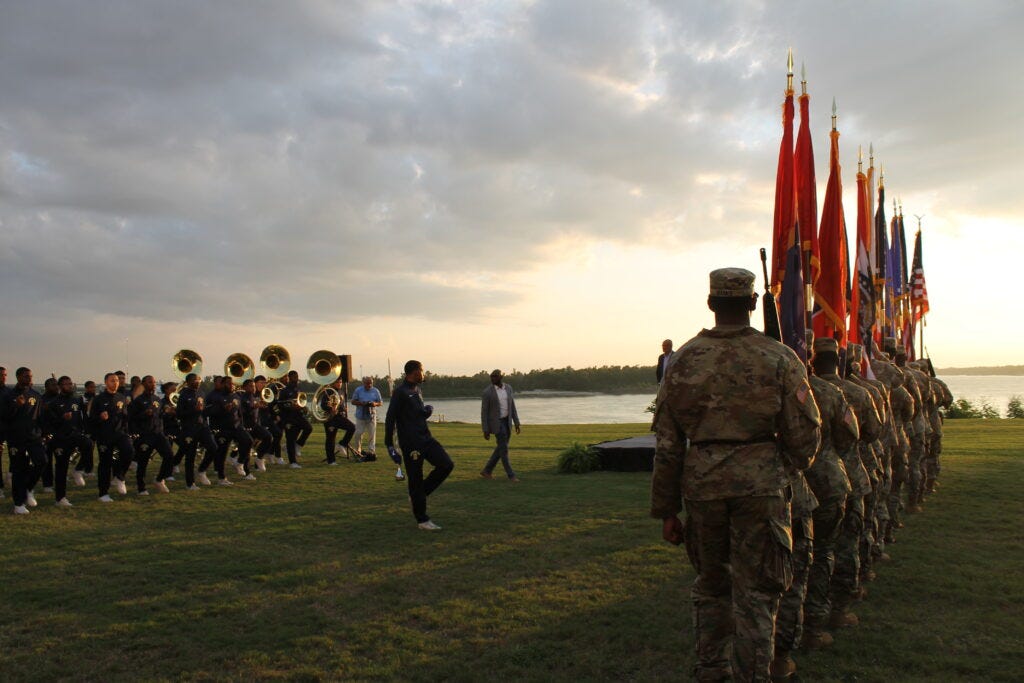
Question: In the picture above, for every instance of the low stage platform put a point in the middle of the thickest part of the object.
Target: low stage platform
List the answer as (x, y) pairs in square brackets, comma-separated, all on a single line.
[(635, 454)]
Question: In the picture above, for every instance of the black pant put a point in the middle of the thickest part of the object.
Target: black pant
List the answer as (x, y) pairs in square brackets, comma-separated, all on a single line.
[(47, 474), (261, 438), (193, 438), (27, 462), (122, 443), (146, 446), (273, 445), (62, 447), (331, 427), (419, 488), (224, 439), (295, 433)]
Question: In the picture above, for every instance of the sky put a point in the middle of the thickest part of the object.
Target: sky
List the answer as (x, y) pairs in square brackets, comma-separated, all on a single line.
[(473, 184)]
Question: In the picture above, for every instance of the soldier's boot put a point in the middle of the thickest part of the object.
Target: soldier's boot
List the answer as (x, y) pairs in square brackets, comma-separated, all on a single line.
[(782, 667), (912, 504), (842, 619), (817, 640), (885, 557)]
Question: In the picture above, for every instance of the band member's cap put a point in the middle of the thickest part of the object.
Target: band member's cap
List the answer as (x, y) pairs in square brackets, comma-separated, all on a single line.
[(732, 282)]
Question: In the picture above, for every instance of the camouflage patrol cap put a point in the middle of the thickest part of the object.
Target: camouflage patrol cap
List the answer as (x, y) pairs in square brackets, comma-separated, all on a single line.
[(732, 282), (889, 344), (826, 345), (900, 352)]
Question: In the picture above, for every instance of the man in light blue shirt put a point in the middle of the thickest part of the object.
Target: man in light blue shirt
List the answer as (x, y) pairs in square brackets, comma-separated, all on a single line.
[(367, 398)]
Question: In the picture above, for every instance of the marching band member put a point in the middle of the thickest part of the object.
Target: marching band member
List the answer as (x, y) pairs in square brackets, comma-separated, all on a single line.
[(69, 435), (233, 429), (195, 432), (269, 419), (46, 423), (214, 414), (337, 412), (296, 427), (172, 428), (251, 421), (20, 411), (3, 429), (108, 414), (145, 416)]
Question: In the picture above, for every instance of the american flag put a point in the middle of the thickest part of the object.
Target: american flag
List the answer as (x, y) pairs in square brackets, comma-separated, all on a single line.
[(918, 288)]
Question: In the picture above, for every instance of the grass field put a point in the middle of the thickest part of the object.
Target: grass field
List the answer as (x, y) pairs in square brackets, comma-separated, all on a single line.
[(321, 574)]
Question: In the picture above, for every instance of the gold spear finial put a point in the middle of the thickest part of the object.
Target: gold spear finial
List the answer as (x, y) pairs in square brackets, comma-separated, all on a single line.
[(871, 154), (901, 207), (803, 78), (894, 205), (881, 175), (919, 221), (860, 158), (833, 113), (789, 71)]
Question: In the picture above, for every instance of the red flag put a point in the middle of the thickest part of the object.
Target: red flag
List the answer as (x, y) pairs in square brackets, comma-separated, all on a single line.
[(829, 319), (807, 194), (785, 198)]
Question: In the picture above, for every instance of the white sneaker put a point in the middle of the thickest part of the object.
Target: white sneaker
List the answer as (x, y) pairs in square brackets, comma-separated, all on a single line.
[(47, 489), (20, 510), (78, 478), (161, 487), (261, 466), (64, 503), (143, 493), (193, 487), (120, 486), (201, 478), (30, 500), (429, 526), (171, 478), (250, 477), (106, 499), (225, 482), (280, 461), (333, 464), (240, 469), (298, 452), (295, 466), (177, 470), (399, 476)]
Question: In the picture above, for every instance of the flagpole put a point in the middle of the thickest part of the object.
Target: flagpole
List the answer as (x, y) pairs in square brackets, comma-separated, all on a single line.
[(808, 278)]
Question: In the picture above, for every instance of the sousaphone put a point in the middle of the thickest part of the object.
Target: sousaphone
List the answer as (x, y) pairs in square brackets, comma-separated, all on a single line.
[(186, 362), (239, 367)]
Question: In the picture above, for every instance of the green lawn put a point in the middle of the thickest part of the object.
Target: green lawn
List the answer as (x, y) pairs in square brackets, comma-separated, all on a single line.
[(321, 573)]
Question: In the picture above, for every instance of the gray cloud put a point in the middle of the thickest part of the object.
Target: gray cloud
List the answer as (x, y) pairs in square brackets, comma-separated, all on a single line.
[(255, 161)]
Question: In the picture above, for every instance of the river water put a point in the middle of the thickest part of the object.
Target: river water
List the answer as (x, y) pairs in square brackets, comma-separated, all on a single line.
[(584, 408)]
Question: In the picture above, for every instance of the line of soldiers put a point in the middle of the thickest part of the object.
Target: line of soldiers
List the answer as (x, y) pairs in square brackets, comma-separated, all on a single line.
[(127, 425), (879, 438), (792, 485)]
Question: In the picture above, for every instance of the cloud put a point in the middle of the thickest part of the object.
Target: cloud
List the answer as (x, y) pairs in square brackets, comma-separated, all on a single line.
[(267, 162)]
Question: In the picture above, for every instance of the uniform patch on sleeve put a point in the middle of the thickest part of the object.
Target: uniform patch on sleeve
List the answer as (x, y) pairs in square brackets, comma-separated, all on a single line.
[(848, 417), (803, 391)]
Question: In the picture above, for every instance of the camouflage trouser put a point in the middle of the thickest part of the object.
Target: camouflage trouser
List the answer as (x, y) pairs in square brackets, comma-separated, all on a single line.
[(742, 550), (916, 481), (882, 516), (828, 522), (932, 467), (789, 624), (871, 533), (846, 577)]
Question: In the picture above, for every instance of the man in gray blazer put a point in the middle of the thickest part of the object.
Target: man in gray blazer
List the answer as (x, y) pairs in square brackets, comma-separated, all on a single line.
[(497, 416)]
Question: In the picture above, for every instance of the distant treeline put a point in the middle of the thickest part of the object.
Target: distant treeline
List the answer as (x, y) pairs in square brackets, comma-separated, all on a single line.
[(1015, 370), (609, 379)]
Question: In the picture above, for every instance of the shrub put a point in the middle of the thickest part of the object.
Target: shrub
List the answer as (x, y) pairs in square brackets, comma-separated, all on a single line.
[(578, 459), (962, 408), (988, 412), (1015, 408), (651, 407)]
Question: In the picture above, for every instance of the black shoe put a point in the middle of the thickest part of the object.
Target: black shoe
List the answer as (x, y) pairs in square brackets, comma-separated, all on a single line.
[(369, 457)]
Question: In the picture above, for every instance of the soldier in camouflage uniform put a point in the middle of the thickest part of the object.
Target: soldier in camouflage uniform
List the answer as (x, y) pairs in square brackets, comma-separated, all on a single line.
[(902, 405), (877, 512), (858, 461), (917, 385), (943, 398), (828, 479), (734, 413)]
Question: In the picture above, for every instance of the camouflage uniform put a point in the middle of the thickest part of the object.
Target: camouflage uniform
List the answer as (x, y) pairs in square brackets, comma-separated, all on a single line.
[(943, 399), (875, 511), (901, 404), (919, 388), (830, 484), (846, 578), (743, 402), (790, 619)]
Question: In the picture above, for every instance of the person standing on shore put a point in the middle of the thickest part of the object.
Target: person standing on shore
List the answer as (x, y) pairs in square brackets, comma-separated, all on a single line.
[(734, 413), (497, 416), (663, 359), (408, 416)]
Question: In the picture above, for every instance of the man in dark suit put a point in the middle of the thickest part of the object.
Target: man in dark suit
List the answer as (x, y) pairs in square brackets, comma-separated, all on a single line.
[(666, 349), (497, 416)]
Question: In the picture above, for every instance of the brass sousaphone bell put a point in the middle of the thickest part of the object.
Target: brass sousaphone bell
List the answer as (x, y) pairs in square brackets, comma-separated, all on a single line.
[(239, 367), (186, 362), (323, 367), (274, 364)]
